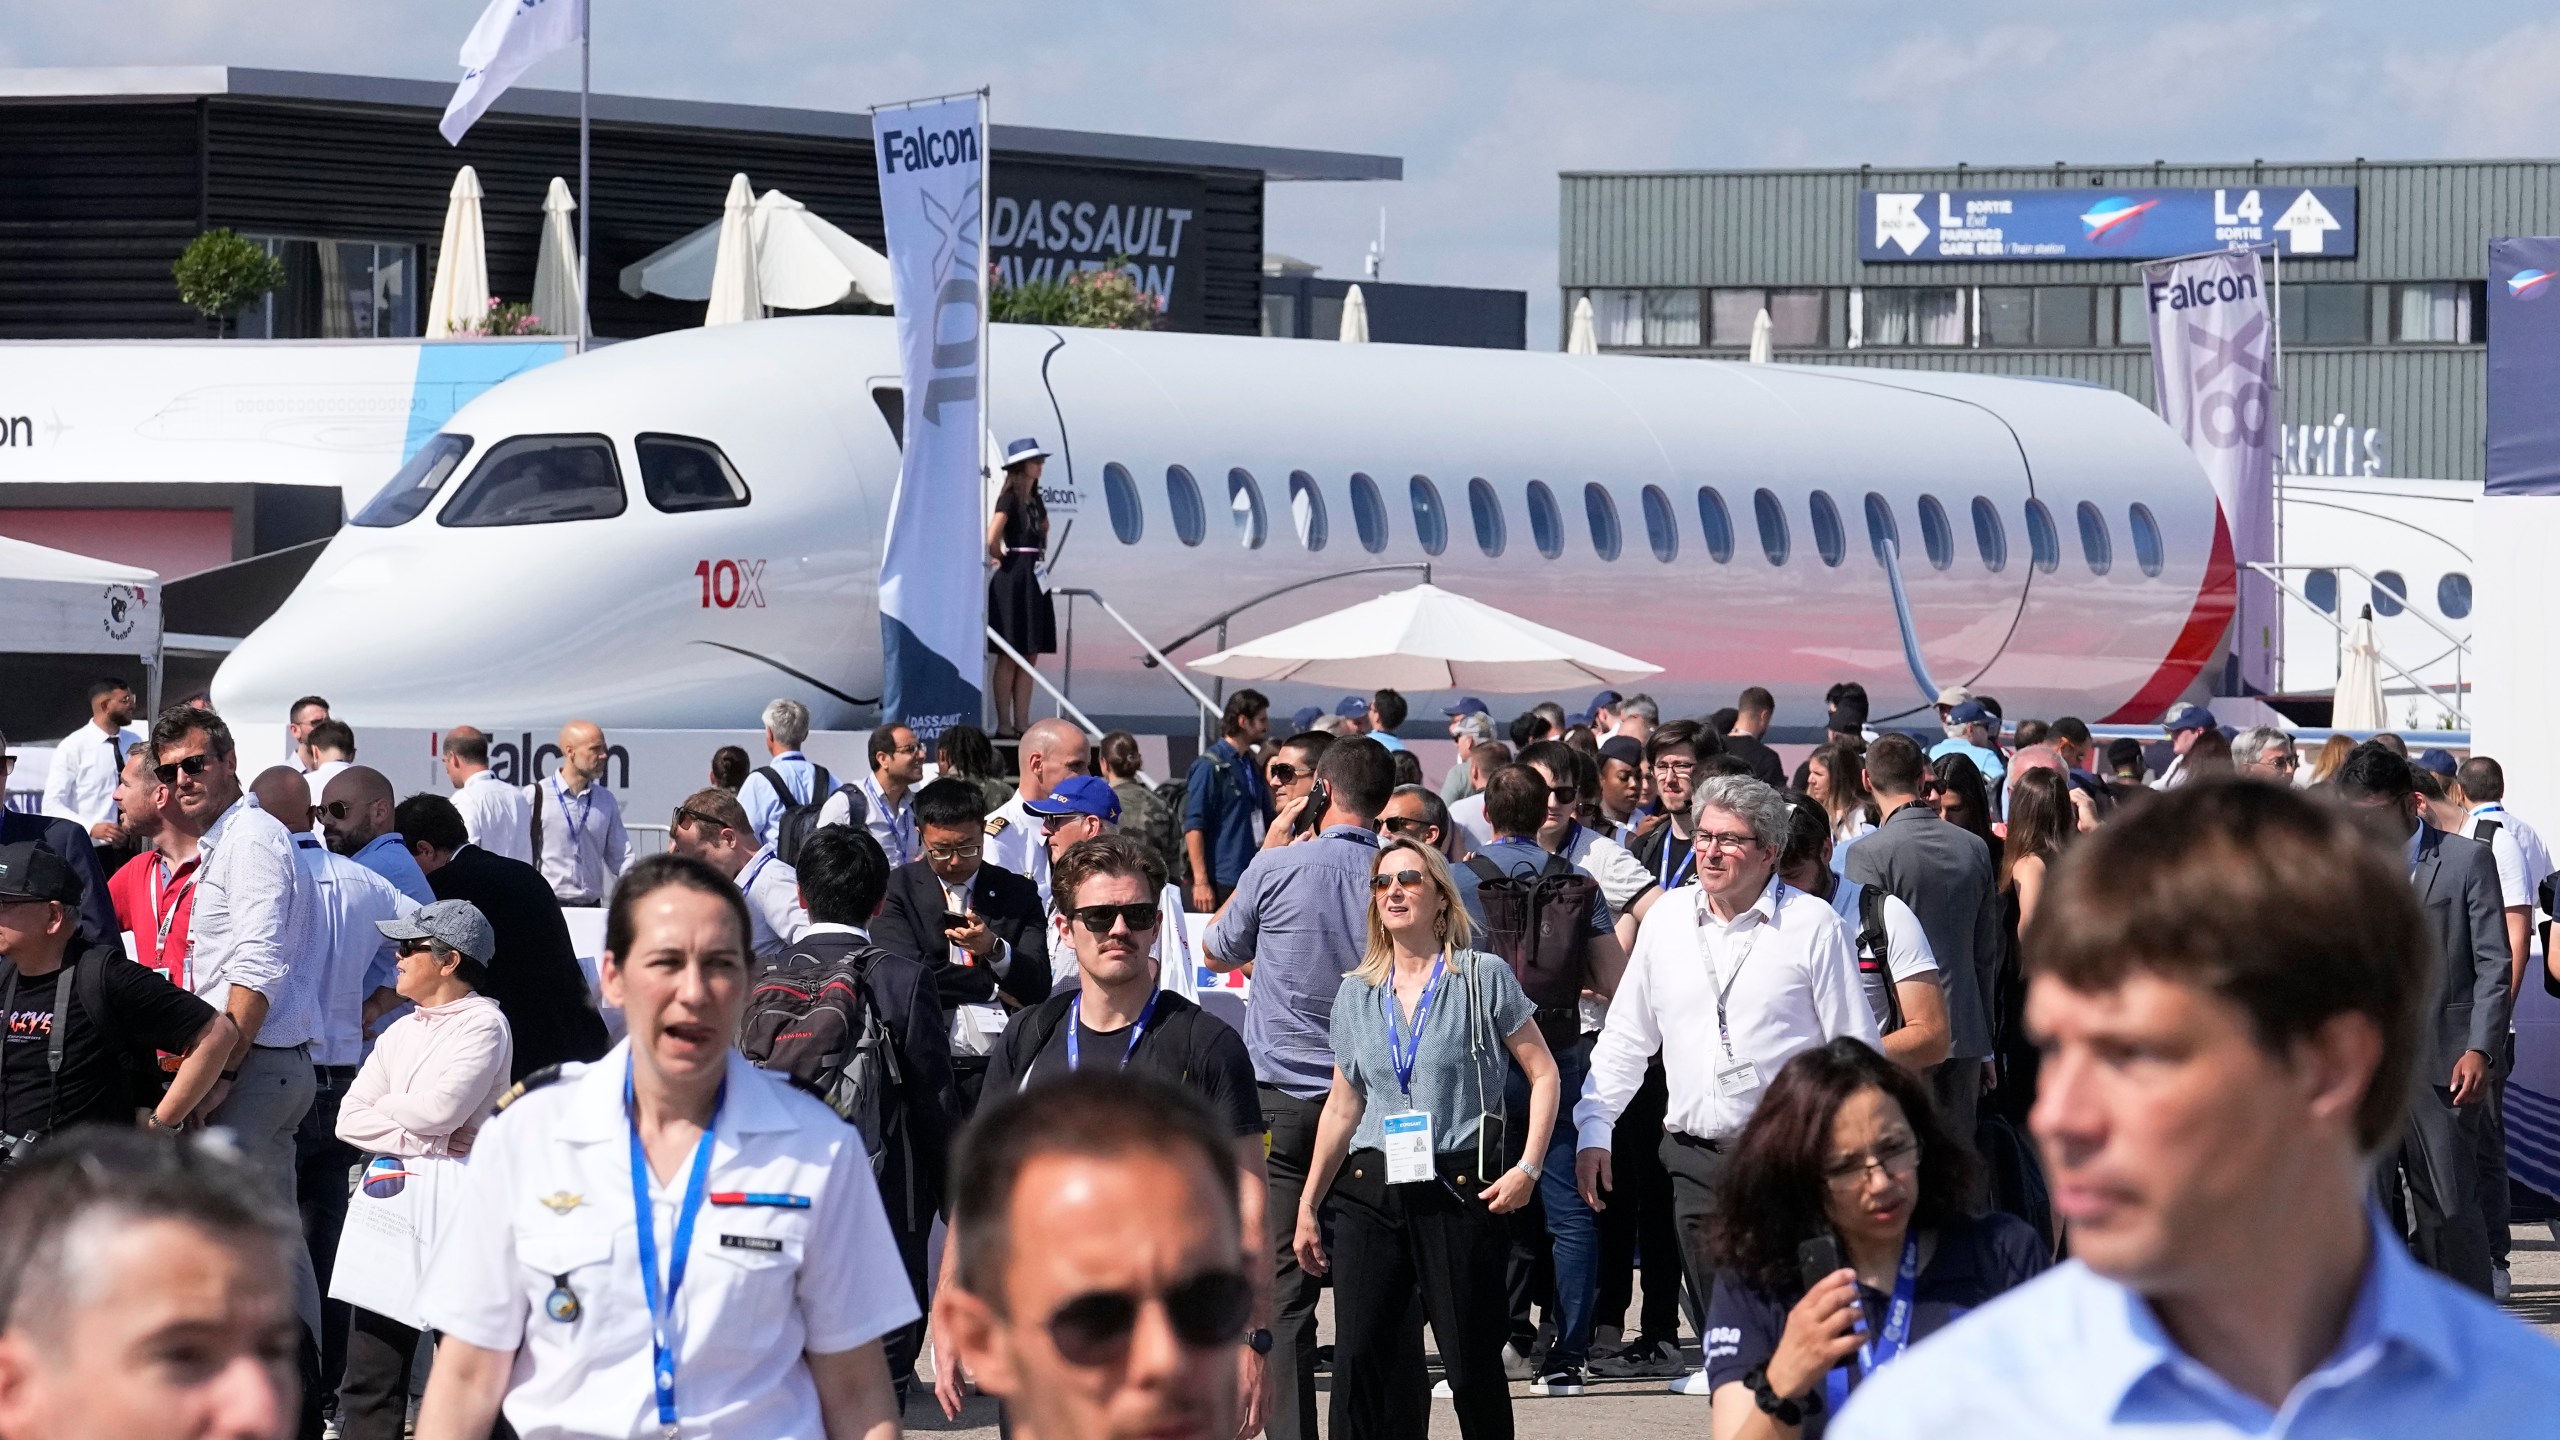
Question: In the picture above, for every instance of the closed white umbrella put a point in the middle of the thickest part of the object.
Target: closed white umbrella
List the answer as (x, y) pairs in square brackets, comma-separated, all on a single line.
[(1426, 638), (1355, 318), (1760, 338), (555, 273), (460, 300), (803, 262), (1582, 339), (2359, 704), (735, 295)]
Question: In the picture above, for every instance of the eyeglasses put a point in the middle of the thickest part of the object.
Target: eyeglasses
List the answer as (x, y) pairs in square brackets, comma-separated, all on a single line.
[(970, 851), (193, 765), (1098, 918), (1716, 841), (683, 818), (2286, 761), (1896, 1159), (1675, 769), (907, 750), (1401, 879), (1207, 1312)]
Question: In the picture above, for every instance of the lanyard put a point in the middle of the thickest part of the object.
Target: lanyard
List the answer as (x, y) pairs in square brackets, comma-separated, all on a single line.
[(1724, 988), (576, 817), (1676, 859), (165, 906), (747, 880), (662, 1309), (1880, 1350), (1075, 1010), (1404, 1054)]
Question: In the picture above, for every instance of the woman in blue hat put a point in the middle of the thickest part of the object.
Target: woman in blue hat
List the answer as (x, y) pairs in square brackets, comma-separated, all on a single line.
[(1017, 608)]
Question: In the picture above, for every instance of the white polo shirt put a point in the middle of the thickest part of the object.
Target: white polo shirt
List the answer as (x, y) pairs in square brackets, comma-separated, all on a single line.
[(549, 1187)]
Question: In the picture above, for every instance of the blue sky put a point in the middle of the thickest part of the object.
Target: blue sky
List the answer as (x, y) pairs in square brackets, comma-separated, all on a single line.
[(1487, 101)]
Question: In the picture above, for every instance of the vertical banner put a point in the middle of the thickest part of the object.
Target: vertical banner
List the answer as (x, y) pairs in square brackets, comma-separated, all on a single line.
[(933, 594), (2212, 346), (2524, 366)]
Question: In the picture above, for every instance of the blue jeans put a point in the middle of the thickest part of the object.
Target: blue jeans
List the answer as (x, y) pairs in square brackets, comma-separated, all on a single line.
[(1571, 1225)]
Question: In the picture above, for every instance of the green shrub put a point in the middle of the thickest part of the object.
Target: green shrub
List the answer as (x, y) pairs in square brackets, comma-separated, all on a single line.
[(221, 274)]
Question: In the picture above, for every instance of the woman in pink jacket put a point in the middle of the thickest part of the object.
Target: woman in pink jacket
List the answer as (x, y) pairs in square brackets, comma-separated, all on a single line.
[(434, 1075)]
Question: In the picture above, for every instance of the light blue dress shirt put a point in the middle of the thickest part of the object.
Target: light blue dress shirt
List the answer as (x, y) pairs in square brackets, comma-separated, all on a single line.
[(388, 856), (764, 808), (2074, 1354)]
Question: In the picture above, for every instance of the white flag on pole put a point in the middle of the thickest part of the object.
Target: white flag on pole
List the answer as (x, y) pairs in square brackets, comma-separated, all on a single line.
[(511, 37)]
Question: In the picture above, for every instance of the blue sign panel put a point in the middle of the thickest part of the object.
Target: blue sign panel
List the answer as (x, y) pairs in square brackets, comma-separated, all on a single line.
[(1914, 226), (2524, 366)]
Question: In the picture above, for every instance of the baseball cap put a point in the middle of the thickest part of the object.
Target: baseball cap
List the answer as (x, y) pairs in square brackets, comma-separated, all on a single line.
[(1954, 695), (1078, 795), (2188, 717), (1969, 712), (1600, 702), (1305, 719), (28, 871), (2440, 762), (454, 924), (1624, 750), (1351, 708), (1467, 705)]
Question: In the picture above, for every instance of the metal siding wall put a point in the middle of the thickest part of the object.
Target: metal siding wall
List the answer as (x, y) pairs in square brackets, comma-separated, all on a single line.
[(96, 203), (1231, 302)]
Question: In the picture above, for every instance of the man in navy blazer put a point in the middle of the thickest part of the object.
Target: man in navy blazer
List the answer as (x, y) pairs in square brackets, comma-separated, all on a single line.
[(95, 915)]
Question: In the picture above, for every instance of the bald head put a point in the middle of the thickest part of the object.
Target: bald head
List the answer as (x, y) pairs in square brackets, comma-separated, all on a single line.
[(581, 753), (283, 793), (1052, 750), (355, 810)]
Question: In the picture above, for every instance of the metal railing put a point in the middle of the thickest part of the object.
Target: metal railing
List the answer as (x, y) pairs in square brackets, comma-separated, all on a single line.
[(1156, 659), (2274, 574), (1065, 706)]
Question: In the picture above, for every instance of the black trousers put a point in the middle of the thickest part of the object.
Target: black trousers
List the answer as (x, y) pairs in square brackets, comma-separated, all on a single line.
[(1638, 1226), (323, 1166), (2438, 1159), (373, 1399), (1697, 1173), (1291, 1125), (1389, 1241), (2496, 1202)]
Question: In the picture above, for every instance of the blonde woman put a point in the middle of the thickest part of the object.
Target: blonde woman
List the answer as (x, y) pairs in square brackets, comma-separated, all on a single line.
[(1422, 1035)]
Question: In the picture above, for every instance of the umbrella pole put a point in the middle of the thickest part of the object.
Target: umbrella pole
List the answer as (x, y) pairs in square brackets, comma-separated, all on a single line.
[(585, 211)]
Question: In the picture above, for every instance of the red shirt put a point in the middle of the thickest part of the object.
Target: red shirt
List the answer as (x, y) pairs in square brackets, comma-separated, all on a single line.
[(155, 903)]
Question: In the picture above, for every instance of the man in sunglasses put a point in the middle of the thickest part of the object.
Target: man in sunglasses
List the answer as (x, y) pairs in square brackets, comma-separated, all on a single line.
[(94, 912), (1118, 1017), (356, 817), (1291, 780), (1086, 807)]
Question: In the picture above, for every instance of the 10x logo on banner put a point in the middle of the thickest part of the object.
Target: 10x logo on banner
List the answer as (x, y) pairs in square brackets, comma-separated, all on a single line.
[(2212, 349)]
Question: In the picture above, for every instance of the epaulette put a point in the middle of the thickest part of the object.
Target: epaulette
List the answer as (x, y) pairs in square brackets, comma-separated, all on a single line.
[(530, 1083), (996, 824)]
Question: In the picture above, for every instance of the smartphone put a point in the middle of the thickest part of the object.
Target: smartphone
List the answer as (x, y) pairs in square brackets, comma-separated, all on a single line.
[(1319, 800), (1818, 1259), (953, 921)]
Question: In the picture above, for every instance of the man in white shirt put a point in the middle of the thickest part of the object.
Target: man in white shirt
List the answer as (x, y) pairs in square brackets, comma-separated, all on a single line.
[(711, 826), (81, 786), (786, 729), (308, 711), (1900, 977), (331, 746), (578, 840), (1729, 980), (886, 796), (1052, 750), (2524, 863), (494, 813)]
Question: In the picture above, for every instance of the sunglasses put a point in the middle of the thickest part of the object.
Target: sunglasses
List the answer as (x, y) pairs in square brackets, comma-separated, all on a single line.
[(337, 809), (407, 948), (1052, 824), (1562, 795), (1207, 1311), (1411, 825), (1408, 879), (1097, 918), (193, 765), (1282, 772)]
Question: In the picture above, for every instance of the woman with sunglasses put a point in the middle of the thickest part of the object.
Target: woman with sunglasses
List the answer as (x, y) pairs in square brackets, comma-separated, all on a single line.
[(669, 1240), (1846, 1235), (1411, 1145)]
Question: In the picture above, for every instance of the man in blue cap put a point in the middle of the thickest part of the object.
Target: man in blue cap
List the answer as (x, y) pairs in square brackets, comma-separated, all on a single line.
[(1602, 714), (2184, 724), (1356, 710), (1084, 807), (1970, 727), (1305, 718)]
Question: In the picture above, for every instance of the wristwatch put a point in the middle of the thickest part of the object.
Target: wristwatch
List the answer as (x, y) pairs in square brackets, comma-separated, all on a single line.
[(1529, 1167), (1259, 1340)]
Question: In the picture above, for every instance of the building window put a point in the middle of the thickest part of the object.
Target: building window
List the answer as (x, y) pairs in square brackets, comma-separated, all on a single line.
[(1546, 523), (1773, 525), (1280, 316), (1368, 513), (2096, 545), (2453, 596), (1430, 522), (2332, 314), (1617, 318), (1990, 537), (1829, 539), (2390, 593), (1661, 530), (1671, 319), (1717, 522), (1936, 534), (1306, 508), (2437, 314), (2133, 314), (1492, 534), (337, 290), (1911, 315), (2008, 316), (1796, 317), (2066, 317), (1602, 512), (1182, 496), (2148, 552), (2320, 587)]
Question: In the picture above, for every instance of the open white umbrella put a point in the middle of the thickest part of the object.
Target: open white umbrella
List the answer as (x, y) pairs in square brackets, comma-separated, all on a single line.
[(1355, 318), (555, 272), (1582, 339), (735, 295), (1426, 638), (1760, 338), (2359, 704), (460, 300), (803, 262)]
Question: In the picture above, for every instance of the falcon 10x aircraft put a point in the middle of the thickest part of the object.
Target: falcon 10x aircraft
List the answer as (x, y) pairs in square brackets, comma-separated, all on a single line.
[(671, 531)]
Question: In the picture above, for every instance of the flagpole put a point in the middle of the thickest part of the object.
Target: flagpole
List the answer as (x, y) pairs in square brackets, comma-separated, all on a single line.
[(586, 212)]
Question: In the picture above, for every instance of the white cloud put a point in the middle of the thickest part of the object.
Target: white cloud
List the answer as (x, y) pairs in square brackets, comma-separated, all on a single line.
[(2497, 98)]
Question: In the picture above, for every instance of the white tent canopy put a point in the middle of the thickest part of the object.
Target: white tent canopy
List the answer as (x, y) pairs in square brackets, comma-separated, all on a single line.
[(1426, 638), (802, 262), (53, 602)]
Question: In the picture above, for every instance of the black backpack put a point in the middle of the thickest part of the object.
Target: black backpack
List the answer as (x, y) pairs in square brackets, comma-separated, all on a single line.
[(1875, 969), (797, 821), (1536, 924), (810, 1018)]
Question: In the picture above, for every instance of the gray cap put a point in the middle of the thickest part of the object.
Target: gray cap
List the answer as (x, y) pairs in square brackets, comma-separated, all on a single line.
[(454, 924)]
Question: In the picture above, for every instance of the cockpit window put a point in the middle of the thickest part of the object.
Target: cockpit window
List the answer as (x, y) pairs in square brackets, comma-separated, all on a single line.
[(679, 473), (415, 487), (539, 480)]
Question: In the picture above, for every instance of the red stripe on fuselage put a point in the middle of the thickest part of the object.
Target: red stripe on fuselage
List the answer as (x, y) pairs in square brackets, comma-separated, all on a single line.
[(2217, 600)]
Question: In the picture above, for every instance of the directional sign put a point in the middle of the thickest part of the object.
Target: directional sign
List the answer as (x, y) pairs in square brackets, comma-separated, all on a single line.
[(1907, 226)]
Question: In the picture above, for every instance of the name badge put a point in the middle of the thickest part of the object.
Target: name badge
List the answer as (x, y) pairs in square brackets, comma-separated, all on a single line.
[(1738, 1078), (764, 1243), (1408, 1147)]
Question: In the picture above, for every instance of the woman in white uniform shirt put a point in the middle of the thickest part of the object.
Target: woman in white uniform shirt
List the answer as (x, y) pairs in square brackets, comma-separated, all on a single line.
[(748, 1207)]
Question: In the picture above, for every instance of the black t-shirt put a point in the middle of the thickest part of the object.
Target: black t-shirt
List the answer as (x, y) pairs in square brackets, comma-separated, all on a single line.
[(1972, 1263), (1763, 761), (1209, 1061), (144, 1012)]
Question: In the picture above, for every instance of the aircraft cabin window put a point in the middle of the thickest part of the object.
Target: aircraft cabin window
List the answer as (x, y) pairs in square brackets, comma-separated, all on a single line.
[(2096, 545), (1881, 527), (1829, 539), (1990, 536), (2390, 593), (1120, 493), (1485, 507), (1368, 513), (1182, 493), (2044, 543), (1430, 522), (679, 473), (415, 487), (2148, 552), (1717, 521), (1773, 526), (1546, 522), (1244, 501), (1602, 512), (2320, 587), (1936, 535), (1306, 510), (1661, 527), (539, 480), (2453, 596)]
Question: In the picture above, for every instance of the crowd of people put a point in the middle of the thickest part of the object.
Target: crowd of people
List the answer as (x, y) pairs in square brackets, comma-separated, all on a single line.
[(1618, 1051)]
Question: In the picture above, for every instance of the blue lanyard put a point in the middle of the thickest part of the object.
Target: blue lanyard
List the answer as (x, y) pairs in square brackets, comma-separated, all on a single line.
[(1676, 858), (747, 878), (1882, 1349), (577, 817), (662, 1309), (1075, 1009), (1404, 1054)]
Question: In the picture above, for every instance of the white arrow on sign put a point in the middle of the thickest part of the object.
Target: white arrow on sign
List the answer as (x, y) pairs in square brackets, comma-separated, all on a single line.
[(1898, 221), (2307, 223)]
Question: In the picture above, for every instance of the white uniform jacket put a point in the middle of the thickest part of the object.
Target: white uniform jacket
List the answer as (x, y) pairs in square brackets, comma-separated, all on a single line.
[(549, 1190)]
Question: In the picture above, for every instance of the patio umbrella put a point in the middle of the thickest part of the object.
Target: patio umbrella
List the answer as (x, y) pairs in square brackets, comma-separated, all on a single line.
[(1355, 318), (1426, 638), (1582, 339), (2359, 704), (803, 262), (735, 295), (555, 273), (1760, 338), (460, 300)]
